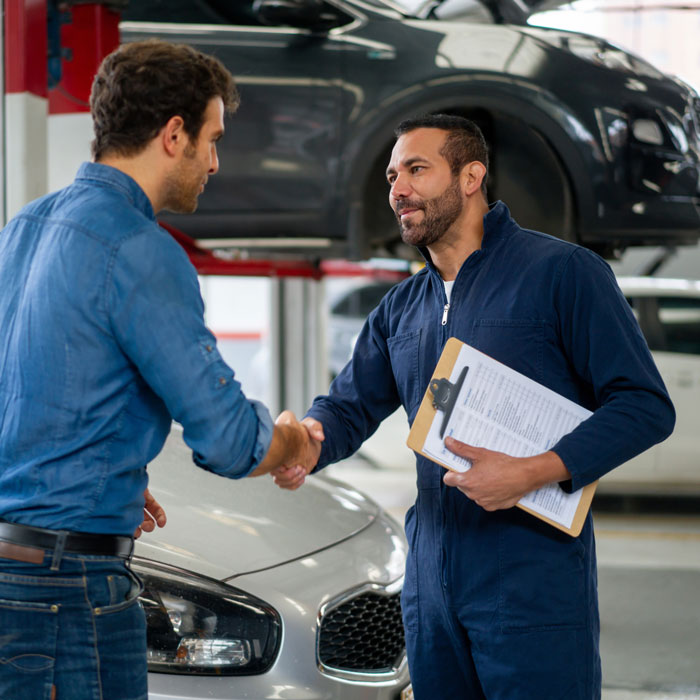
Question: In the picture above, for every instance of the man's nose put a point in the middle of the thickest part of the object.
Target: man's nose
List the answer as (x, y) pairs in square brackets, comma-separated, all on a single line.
[(400, 188), (214, 167)]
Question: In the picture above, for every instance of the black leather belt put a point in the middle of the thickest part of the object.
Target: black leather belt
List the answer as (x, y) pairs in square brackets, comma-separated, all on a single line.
[(64, 540)]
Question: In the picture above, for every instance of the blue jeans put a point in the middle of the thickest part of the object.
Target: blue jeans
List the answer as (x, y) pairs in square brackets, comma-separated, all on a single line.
[(78, 633)]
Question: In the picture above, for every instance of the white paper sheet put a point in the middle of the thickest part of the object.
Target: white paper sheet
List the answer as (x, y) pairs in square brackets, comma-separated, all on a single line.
[(501, 409)]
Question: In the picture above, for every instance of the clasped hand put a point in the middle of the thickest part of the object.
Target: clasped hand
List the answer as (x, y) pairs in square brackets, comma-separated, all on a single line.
[(293, 474)]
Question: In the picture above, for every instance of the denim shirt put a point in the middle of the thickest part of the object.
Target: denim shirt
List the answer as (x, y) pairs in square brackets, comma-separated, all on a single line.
[(102, 345), (549, 309)]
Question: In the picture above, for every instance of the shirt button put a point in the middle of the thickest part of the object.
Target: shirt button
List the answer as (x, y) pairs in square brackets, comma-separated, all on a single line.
[(209, 348), (222, 380)]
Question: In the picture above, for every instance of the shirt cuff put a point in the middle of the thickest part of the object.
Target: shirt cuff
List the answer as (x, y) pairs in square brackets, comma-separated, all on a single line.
[(264, 439)]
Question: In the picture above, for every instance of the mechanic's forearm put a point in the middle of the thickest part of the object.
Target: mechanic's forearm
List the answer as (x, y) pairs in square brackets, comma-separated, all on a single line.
[(543, 469)]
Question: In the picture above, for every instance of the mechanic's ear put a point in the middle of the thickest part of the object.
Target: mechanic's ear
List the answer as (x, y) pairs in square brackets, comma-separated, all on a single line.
[(472, 176)]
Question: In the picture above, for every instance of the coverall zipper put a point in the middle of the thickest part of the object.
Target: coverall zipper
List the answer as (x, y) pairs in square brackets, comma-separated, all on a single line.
[(443, 488)]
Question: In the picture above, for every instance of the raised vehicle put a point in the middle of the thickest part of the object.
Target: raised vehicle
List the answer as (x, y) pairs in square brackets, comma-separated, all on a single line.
[(589, 142)]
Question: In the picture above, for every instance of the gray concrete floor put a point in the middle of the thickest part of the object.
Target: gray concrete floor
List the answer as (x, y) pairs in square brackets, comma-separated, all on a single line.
[(649, 588)]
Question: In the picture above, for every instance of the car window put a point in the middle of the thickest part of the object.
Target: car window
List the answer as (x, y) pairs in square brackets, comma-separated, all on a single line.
[(464, 10), (371, 296), (669, 324), (680, 319), (240, 12), (190, 12), (350, 305), (468, 10), (359, 302)]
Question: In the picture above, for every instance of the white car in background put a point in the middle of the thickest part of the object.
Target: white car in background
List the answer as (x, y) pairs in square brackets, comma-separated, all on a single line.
[(255, 592), (668, 311)]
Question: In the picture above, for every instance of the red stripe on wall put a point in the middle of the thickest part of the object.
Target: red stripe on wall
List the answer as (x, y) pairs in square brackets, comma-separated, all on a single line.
[(238, 335)]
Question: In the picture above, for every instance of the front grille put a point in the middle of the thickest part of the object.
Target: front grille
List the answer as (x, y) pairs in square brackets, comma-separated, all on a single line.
[(364, 634)]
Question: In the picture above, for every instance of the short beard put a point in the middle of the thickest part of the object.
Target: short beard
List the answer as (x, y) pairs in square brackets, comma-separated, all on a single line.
[(180, 196), (439, 214)]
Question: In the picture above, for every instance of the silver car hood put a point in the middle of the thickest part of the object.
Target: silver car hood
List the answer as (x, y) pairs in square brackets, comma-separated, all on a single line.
[(221, 527)]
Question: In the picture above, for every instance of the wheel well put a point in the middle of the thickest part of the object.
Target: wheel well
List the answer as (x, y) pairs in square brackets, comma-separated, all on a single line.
[(524, 171)]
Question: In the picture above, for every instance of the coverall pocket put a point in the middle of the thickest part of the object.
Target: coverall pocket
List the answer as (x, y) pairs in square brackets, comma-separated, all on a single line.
[(542, 580), (517, 343), (404, 351), (409, 593)]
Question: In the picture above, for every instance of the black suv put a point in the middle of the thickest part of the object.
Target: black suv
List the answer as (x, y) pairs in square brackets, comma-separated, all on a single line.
[(589, 143)]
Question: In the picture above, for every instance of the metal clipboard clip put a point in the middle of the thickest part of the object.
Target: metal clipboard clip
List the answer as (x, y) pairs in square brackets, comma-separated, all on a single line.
[(445, 396)]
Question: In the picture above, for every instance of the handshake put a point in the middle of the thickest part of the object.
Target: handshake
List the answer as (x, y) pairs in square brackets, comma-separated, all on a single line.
[(294, 450), (293, 453)]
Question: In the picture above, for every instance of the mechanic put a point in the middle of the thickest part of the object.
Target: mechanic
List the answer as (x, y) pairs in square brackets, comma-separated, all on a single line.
[(103, 344), (497, 604)]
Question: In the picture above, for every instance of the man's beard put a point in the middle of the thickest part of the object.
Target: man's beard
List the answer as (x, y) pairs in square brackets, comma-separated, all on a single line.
[(439, 213), (182, 186)]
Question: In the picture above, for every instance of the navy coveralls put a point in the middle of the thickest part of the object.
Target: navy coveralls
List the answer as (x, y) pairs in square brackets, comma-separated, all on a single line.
[(500, 605)]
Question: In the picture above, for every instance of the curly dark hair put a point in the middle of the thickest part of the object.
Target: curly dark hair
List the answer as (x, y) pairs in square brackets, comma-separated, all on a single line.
[(464, 143), (141, 85)]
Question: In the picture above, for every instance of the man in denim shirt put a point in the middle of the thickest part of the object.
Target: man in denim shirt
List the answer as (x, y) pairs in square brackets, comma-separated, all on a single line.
[(497, 605), (103, 344)]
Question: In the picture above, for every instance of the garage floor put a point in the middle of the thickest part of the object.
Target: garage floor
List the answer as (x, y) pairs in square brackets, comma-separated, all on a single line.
[(649, 588)]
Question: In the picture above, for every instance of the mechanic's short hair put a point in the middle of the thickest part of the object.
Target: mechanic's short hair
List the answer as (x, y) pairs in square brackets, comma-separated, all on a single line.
[(143, 84), (465, 141)]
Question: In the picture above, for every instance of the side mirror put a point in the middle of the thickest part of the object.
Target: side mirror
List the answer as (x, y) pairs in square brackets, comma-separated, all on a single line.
[(303, 14)]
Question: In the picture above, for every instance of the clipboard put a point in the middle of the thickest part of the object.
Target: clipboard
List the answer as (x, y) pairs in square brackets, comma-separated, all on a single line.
[(441, 397)]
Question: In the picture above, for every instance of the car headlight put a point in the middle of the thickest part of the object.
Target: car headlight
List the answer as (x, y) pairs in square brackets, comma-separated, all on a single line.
[(199, 626), (648, 131)]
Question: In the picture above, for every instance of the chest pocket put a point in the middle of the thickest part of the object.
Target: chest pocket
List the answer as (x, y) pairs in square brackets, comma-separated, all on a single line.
[(518, 343), (404, 351)]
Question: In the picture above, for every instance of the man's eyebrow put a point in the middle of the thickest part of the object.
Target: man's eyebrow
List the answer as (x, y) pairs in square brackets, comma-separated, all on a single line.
[(408, 163)]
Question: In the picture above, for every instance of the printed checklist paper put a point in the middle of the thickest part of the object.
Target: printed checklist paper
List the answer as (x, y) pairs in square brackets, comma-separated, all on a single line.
[(502, 410)]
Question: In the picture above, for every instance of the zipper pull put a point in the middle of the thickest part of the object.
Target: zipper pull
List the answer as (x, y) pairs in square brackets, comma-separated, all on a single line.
[(444, 314)]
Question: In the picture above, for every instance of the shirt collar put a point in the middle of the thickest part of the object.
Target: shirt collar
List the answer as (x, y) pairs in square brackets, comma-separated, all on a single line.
[(107, 176)]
